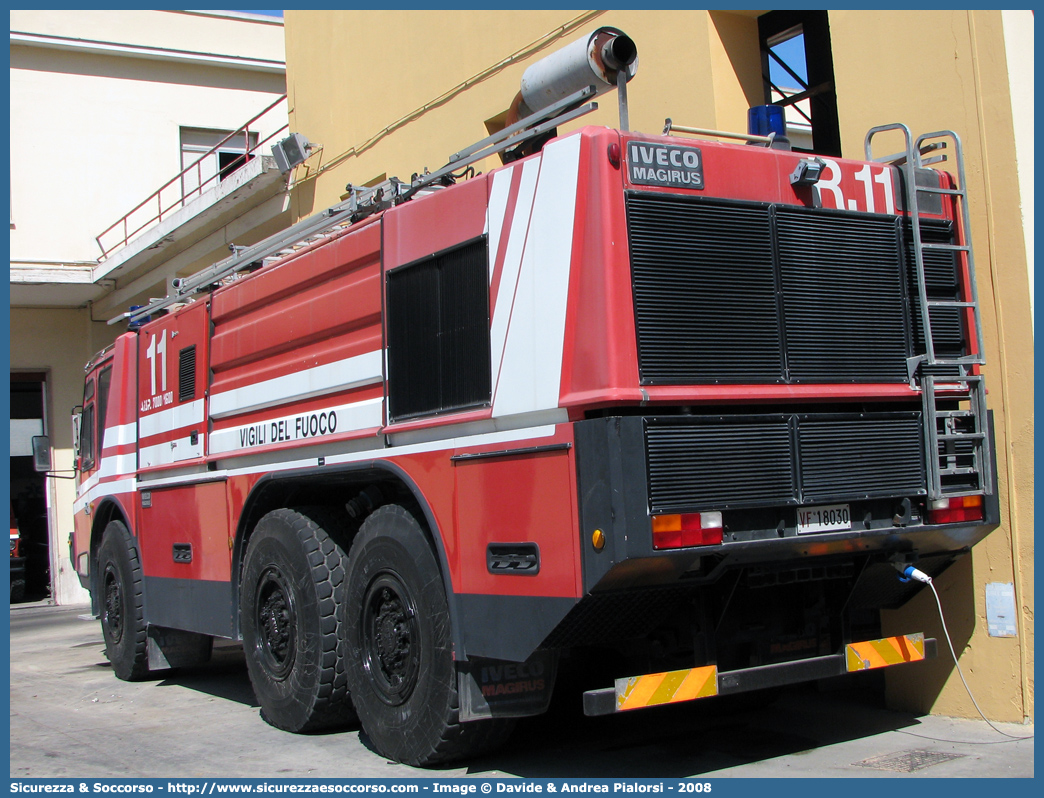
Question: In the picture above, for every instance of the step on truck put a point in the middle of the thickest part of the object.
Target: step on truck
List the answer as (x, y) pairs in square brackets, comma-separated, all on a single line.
[(684, 405)]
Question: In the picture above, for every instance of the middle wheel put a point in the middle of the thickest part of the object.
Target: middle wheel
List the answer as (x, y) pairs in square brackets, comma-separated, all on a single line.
[(290, 611)]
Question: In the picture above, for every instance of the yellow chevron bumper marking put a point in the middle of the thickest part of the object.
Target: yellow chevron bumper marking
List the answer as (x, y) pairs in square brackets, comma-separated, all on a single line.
[(887, 651), (699, 683), (666, 688)]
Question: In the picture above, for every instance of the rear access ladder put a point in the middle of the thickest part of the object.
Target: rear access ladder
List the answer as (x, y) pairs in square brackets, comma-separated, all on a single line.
[(957, 450)]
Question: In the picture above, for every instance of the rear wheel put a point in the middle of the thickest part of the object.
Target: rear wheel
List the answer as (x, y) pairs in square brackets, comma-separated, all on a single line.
[(400, 659), (122, 605), (291, 609)]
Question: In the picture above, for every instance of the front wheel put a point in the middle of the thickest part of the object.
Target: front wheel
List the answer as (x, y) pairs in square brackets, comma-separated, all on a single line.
[(122, 604), (401, 668)]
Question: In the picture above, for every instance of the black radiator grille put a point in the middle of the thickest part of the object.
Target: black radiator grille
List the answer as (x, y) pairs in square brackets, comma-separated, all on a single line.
[(729, 291), (732, 462), (705, 290), (187, 373), (720, 464), (842, 296), (860, 457)]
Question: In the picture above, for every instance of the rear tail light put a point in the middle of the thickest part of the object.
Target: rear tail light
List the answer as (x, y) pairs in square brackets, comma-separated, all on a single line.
[(689, 529), (952, 511)]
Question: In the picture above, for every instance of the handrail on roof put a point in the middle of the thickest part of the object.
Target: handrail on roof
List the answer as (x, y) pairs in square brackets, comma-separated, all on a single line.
[(126, 229)]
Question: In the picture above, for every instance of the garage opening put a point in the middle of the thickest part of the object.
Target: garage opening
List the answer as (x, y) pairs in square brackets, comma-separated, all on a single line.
[(29, 528)]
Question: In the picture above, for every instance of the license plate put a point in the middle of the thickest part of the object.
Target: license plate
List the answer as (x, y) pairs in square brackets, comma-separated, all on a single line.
[(826, 518)]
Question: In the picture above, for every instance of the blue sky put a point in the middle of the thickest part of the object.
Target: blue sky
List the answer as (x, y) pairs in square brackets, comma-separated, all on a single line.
[(792, 52)]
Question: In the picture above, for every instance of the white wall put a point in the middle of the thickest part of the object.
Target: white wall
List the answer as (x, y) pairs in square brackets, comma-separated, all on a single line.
[(94, 133), (242, 35), (1018, 45)]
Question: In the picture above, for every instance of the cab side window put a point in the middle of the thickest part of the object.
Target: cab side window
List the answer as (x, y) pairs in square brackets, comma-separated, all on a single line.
[(87, 428), (103, 404)]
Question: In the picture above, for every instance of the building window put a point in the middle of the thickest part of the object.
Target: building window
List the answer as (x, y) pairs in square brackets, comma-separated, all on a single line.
[(203, 165), (798, 72)]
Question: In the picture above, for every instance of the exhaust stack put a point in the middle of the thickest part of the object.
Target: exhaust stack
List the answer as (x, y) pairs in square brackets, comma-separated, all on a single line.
[(605, 59), (595, 60)]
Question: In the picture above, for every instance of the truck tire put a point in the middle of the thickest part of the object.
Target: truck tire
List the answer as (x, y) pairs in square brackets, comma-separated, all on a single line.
[(17, 590), (122, 604), (291, 612), (401, 668)]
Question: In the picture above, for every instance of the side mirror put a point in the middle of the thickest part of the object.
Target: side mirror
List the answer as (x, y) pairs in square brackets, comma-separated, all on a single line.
[(42, 457), (42, 453)]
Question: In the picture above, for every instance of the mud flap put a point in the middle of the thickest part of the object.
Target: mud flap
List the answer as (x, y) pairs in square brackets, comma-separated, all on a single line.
[(492, 688), (171, 648)]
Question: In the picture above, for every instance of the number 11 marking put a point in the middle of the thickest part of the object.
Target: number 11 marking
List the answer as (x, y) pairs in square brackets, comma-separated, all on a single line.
[(868, 178), (151, 353)]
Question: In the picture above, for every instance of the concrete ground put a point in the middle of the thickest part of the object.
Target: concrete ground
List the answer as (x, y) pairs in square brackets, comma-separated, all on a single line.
[(70, 717)]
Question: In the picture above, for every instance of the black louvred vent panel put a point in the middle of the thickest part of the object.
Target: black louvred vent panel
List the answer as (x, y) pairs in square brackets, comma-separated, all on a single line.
[(729, 291), (704, 291), (755, 461), (843, 296), (187, 373), (438, 333), (860, 457), (719, 464)]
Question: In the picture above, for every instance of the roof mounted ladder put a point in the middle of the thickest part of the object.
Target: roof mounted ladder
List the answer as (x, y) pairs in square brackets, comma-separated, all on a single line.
[(957, 451), (303, 233)]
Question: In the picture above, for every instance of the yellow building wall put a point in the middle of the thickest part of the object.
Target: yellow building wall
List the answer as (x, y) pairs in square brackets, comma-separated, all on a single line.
[(388, 93)]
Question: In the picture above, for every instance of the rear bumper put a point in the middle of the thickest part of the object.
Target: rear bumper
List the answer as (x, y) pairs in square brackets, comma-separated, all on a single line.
[(638, 692), (18, 568)]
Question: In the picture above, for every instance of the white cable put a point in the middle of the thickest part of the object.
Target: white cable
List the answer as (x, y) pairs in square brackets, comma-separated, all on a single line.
[(913, 573)]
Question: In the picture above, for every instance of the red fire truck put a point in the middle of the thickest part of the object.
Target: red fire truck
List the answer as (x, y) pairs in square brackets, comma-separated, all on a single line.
[(681, 404)]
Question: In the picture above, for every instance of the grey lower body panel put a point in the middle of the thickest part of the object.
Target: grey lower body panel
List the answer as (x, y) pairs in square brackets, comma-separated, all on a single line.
[(192, 605), (508, 627)]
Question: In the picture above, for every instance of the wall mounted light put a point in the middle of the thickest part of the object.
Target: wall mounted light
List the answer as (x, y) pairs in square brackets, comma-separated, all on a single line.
[(291, 151)]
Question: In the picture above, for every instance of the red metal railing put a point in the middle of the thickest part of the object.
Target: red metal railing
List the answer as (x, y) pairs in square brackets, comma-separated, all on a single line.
[(173, 195)]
